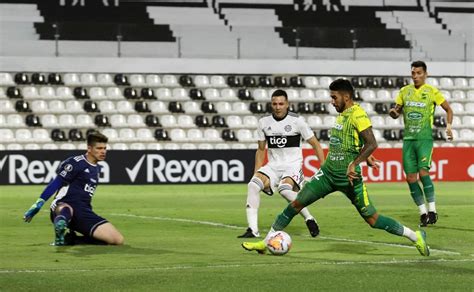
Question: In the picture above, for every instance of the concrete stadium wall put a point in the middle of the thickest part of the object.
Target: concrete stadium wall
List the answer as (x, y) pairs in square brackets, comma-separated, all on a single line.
[(227, 66)]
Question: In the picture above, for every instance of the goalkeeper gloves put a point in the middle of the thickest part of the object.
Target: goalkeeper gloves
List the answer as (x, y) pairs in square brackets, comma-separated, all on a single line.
[(33, 210)]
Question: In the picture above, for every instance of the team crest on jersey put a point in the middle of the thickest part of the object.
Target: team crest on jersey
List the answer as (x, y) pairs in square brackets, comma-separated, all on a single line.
[(68, 167), (87, 170), (288, 128)]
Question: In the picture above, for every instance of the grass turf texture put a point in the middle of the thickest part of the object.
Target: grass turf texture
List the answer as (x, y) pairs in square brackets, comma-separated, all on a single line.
[(164, 252)]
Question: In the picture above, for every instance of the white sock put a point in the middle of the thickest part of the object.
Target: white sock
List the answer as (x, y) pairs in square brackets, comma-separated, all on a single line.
[(410, 234), (432, 207), (252, 219), (422, 209), (253, 202), (290, 195)]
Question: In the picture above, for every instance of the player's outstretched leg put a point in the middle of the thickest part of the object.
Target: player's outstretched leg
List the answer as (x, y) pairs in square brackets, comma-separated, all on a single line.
[(394, 227), (253, 203), (109, 234)]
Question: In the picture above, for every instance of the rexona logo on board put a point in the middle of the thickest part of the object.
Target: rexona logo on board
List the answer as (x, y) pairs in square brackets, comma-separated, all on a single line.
[(158, 169)]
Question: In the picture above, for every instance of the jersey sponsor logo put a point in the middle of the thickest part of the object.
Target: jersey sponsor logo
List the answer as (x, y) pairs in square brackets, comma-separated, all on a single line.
[(335, 140), (414, 116), (283, 141), (337, 126), (158, 169), (90, 189), (68, 167), (415, 104)]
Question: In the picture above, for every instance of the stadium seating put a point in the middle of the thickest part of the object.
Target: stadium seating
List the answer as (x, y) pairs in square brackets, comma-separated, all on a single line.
[(65, 112)]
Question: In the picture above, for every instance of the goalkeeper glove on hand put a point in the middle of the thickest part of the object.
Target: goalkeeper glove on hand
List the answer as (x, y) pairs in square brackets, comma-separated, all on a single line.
[(33, 210)]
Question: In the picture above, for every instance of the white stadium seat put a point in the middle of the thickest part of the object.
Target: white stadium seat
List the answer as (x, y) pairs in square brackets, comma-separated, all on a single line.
[(307, 94), (6, 106), (135, 121), (107, 107), (7, 135), (393, 123), (250, 122), (311, 82), (323, 95), (119, 146), (145, 135), (468, 121), (191, 107), (223, 107), (226, 93), (464, 134), (6, 79), (50, 146), (137, 146), (111, 134), (30, 92), (188, 146), (469, 107), (201, 81), (237, 146), (114, 93), (158, 107), (180, 94), (446, 94), (41, 136), (432, 81), (205, 146), (153, 80), (170, 81), (154, 146), (195, 135), (461, 83), (47, 92), (234, 121), (71, 79), (67, 121), (218, 81), (178, 135), (98, 93), (212, 94), (168, 121), (63, 92), (137, 80), (171, 146), (212, 135), (240, 107), (222, 146), (446, 83), (32, 146), (368, 107), (84, 121), (458, 95), (74, 106), (457, 108), (104, 79), (23, 135), (14, 147), (368, 95), (325, 81), (67, 146), (118, 121), (378, 121), (57, 106), (88, 79), (15, 121), (383, 95), (260, 95), (293, 95), (245, 135), (2, 93), (49, 121), (127, 135), (39, 106), (125, 106), (163, 93), (185, 121), (315, 121)]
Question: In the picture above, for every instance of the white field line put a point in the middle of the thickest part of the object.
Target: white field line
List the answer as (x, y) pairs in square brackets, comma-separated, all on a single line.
[(240, 227), (238, 265)]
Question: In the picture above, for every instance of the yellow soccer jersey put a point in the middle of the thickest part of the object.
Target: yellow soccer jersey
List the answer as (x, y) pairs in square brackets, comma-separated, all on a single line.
[(345, 142), (418, 110)]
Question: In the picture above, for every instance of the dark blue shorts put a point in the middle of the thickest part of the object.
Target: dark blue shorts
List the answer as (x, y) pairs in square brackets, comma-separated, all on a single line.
[(84, 220)]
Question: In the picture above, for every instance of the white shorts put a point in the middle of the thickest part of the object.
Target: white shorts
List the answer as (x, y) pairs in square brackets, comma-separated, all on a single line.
[(277, 174)]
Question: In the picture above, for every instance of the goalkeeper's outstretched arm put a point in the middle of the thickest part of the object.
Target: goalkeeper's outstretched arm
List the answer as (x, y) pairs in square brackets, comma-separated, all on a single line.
[(50, 190)]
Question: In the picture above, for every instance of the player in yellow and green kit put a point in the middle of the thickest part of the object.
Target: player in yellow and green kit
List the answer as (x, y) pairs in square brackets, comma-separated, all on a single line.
[(418, 102), (352, 142)]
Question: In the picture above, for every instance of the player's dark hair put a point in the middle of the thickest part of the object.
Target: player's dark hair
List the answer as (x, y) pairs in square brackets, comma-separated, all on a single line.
[(342, 85), (280, 92), (96, 137), (418, 64)]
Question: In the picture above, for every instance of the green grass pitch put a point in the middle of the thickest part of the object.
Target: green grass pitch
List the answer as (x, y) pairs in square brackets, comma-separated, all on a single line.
[(183, 238)]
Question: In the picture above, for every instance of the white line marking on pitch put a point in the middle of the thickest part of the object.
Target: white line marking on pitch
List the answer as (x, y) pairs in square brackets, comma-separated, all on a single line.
[(239, 265), (240, 227)]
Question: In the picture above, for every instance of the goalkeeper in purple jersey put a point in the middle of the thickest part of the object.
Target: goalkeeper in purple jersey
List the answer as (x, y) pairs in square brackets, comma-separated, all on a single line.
[(75, 184)]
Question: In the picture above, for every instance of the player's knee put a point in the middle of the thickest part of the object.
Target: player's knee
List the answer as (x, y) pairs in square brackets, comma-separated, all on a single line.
[(372, 220), (256, 182), (411, 178), (117, 239)]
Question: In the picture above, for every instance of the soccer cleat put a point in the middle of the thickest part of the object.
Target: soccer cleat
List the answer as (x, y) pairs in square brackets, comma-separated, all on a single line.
[(60, 230), (432, 217), (259, 246), (249, 234), (421, 244), (424, 220), (312, 227)]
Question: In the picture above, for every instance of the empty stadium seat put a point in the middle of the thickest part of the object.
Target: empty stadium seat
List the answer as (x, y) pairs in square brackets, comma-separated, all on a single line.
[(161, 135), (6, 79), (32, 146), (201, 81), (80, 93), (202, 121), (104, 79), (280, 81), (260, 94), (125, 106), (264, 81), (250, 122), (461, 83), (457, 108), (137, 146), (179, 94), (153, 80), (233, 81), (67, 121), (175, 107), (152, 121), (234, 121), (228, 135), (137, 80), (63, 92), (55, 79), (91, 106), (102, 121), (223, 107), (218, 81), (368, 107), (325, 81), (208, 107), (127, 134), (378, 121), (163, 93), (446, 83), (244, 94), (466, 134), (432, 81), (154, 146), (194, 135), (315, 121), (23, 135), (191, 107), (130, 93), (185, 121), (293, 94), (141, 106), (368, 95), (158, 107), (41, 136), (112, 134), (213, 94), (22, 106), (245, 135), (387, 82), (311, 82), (49, 121), (31, 120), (240, 108), (113, 93), (381, 108), (304, 108), (168, 121), (468, 107), (71, 79), (47, 92), (58, 135), (88, 79), (14, 92), (458, 95), (107, 106), (75, 135), (30, 92), (322, 95), (307, 94), (135, 121), (170, 81), (256, 108), (121, 80), (186, 81), (119, 146), (14, 147), (222, 146), (118, 121), (178, 135)]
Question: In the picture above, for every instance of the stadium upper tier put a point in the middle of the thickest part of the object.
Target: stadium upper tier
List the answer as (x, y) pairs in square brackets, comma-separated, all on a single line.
[(152, 111), (388, 30)]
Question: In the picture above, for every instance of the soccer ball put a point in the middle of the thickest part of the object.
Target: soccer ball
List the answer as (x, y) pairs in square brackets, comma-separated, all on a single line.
[(278, 243)]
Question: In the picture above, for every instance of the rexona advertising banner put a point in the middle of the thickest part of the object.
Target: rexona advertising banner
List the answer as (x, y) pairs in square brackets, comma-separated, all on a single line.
[(135, 167), (213, 166)]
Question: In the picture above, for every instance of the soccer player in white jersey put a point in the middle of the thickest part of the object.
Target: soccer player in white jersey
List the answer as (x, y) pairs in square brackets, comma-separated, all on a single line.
[(282, 131)]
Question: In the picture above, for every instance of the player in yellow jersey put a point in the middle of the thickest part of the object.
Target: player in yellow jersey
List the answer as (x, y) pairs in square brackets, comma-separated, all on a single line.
[(352, 142), (417, 101)]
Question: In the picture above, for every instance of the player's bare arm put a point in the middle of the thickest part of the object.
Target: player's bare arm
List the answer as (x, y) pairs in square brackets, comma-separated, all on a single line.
[(313, 141), (366, 151), (396, 111), (449, 118)]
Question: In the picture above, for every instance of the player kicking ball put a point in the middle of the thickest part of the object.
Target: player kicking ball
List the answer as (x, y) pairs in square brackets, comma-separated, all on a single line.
[(75, 184), (352, 142)]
